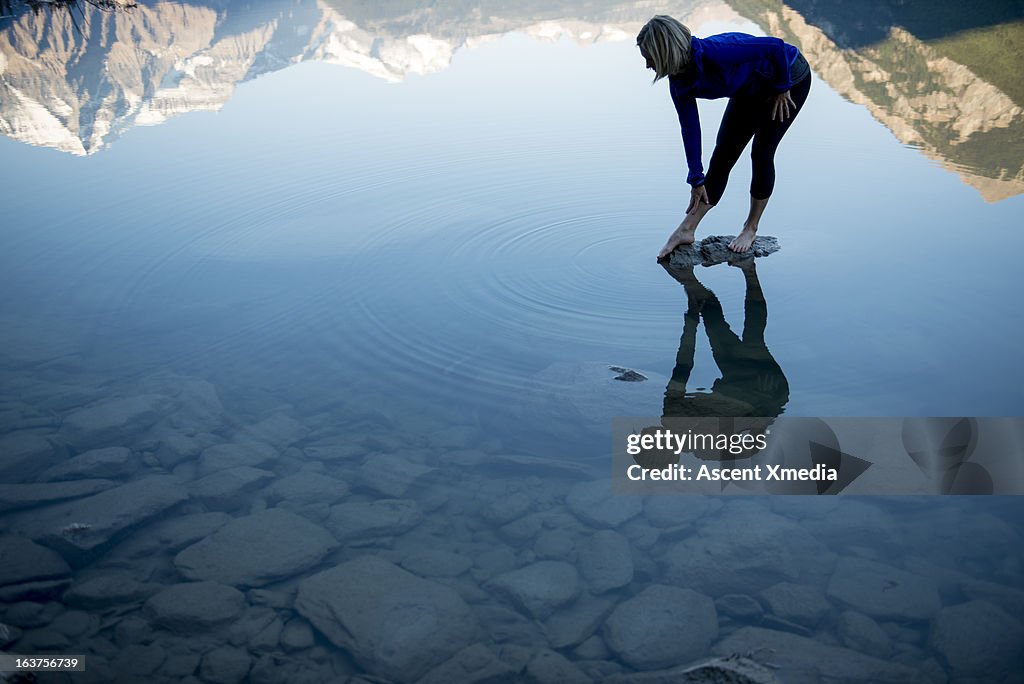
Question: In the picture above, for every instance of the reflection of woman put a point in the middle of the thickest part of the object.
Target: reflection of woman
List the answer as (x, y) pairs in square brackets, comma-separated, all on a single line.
[(752, 382), (766, 81)]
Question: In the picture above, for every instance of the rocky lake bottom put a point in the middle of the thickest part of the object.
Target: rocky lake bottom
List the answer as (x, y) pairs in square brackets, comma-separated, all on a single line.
[(165, 540)]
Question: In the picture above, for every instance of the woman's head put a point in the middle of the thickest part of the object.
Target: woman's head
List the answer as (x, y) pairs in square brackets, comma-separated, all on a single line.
[(665, 44)]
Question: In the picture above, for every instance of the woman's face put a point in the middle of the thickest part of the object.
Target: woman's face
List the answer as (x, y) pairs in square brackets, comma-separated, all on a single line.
[(650, 64)]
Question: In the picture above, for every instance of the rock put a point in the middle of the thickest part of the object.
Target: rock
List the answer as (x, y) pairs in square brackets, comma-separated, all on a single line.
[(799, 603), (82, 528), (556, 545), (606, 561), (714, 249), (801, 659), (507, 508), (104, 590), (113, 462), (75, 623), (257, 549), (436, 563), (225, 665), (29, 614), (228, 489), (305, 488), (23, 455), (548, 667), (15, 497), (474, 664), (518, 465), (173, 448), (745, 550), (22, 561), (739, 607), (675, 511), (977, 639), (172, 534), (194, 606), (390, 474), (662, 626), (296, 635), (114, 421), (139, 659), (505, 625), (731, 670), (392, 623), (539, 589), (232, 455), (366, 520), (1008, 598), (883, 591), (594, 504), (861, 633), (592, 648), (278, 430), (577, 622)]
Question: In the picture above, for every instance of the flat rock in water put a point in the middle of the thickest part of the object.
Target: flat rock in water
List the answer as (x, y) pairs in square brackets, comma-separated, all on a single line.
[(366, 520), (474, 664), (576, 623), (257, 549), (593, 503), (23, 455), (22, 561), (800, 659), (114, 462), (106, 589), (977, 639), (232, 455), (715, 250), (305, 488), (14, 497), (228, 488), (661, 627), (539, 589), (605, 561), (731, 670), (114, 421), (390, 474), (757, 547), (79, 528), (883, 591), (186, 608), (394, 624)]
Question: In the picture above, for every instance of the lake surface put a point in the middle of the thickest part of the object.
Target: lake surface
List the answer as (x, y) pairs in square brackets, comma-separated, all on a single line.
[(296, 259)]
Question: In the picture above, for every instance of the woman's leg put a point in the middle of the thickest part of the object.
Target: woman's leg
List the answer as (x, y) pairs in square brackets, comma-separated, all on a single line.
[(767, 136), (735, 131)]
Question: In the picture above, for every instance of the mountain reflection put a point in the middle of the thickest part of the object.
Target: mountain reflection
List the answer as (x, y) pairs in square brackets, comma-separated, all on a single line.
[(945, 81)]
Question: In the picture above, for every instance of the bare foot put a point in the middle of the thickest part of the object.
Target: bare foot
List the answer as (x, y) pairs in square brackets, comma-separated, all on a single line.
[(743, 241), (683, 235)]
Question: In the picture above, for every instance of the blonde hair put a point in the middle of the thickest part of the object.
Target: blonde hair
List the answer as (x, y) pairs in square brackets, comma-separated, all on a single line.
[(666, 43)]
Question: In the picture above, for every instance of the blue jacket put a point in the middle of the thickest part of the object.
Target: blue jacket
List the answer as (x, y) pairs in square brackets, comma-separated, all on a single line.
[(726, 65)]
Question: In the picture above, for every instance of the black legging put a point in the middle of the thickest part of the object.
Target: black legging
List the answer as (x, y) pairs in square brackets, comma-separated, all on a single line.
[(747, 118)]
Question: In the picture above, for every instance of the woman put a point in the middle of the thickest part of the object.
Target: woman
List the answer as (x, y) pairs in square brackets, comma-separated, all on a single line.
[(766, 81)]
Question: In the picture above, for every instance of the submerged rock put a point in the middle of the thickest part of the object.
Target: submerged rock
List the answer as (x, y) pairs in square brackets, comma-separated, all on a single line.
[(539, 589), (24, 565), (977, 639), (662, 626), (80, 528), (14, 497), (186, 608), (113, 421), (606, 561), (257, 549), (594, 504), (714, 249), (384, 517), (731, 670), (883, 591), (113, 462), (394, 624), (799, 659)]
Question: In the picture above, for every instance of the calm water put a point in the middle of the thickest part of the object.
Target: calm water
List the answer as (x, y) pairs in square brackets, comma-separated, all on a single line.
[(425, 233)]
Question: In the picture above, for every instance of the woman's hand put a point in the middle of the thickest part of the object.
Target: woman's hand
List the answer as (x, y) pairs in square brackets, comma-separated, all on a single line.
[(697, 195), (783, 106)]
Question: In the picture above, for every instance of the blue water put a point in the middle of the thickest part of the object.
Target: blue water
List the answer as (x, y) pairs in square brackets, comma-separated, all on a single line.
[(405, 260)]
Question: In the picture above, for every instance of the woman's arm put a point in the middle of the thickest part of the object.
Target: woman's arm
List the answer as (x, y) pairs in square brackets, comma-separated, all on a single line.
[(689, 122)]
